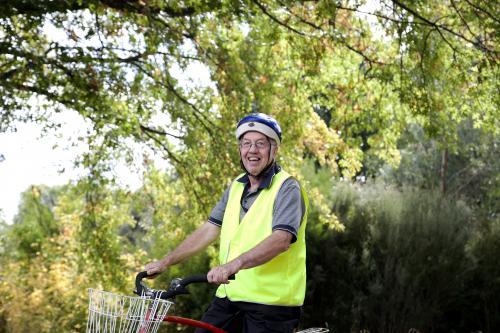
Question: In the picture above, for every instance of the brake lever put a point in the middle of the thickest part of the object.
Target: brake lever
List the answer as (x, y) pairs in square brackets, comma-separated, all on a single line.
[(177, 288)]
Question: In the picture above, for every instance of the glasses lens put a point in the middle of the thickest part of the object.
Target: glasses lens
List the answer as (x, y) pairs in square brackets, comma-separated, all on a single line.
[(248, 144)]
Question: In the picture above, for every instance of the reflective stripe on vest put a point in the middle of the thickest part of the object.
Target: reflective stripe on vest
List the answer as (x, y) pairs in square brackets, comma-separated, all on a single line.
[(280, 281)]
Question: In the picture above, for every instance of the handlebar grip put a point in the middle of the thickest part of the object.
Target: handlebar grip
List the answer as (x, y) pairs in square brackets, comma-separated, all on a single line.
[(195, 279), (199, 278), (138, 279)]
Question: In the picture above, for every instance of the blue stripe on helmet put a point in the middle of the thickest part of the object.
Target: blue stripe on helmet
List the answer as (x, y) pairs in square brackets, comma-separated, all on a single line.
[(263, 119)]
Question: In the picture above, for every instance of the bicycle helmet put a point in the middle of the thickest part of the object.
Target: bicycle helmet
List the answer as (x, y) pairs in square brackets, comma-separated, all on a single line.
[(259, 122)]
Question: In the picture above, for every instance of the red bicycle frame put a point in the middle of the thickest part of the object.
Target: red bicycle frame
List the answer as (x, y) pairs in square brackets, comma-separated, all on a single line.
[(193, 323)]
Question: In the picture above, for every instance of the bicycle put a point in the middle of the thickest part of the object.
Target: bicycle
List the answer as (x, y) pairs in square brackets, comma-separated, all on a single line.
[(113, 313)]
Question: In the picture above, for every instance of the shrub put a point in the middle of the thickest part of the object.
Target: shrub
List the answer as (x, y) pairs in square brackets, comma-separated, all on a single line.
[(406, 259)]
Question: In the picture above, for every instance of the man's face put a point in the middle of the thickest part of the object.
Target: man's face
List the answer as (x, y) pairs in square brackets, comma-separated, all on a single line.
[(254, 152)]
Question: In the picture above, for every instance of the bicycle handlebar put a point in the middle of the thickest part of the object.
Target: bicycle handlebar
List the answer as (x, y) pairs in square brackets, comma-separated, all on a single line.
[(177, 286)]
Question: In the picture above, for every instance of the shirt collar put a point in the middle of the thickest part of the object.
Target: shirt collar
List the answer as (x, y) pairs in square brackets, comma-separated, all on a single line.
[(268, 176)]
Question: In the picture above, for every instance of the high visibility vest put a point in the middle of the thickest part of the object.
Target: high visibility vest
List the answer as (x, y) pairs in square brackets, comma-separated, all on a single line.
[(280, 281)]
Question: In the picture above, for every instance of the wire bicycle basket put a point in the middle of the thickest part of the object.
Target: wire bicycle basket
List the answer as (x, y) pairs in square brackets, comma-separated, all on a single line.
[(112, 313)]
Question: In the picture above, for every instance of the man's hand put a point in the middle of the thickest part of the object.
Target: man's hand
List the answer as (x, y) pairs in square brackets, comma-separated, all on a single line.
[(220, 274), (156, 267), (279, 241)]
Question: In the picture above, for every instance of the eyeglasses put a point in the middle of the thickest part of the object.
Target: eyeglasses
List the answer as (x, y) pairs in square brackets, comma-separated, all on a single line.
[(260, 145)]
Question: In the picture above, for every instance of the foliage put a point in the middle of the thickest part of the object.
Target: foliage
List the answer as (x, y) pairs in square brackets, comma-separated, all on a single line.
[(48, 281), (345, 79), (171, 216), (403, 261), (471, 167), (34, 223), (371, 70), (484, 284), (98, 240)]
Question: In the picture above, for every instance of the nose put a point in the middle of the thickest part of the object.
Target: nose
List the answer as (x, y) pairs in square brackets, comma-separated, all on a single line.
[(252, 147)]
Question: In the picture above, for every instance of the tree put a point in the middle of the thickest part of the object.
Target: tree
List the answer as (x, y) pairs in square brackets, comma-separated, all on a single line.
[(34, 223), (98, 240), (472, 171), (344, 79), (116, 65), (56, 250)]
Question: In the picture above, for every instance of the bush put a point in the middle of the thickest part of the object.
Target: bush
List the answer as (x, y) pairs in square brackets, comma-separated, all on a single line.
[(406, 259)]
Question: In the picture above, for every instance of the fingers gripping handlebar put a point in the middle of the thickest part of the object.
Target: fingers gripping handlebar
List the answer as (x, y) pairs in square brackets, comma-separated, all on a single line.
[(177, 286)]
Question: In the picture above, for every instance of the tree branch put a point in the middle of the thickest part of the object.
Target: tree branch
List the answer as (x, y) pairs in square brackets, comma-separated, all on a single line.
[(315, 26), (179, 165), (157, 131), (462, 18), (171, 155), (440, 27), (264, 10), (41, 7), (43, 92), (493, 17), (167, 84)]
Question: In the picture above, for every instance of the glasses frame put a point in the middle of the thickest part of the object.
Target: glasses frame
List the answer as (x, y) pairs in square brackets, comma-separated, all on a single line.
[(248, 144)]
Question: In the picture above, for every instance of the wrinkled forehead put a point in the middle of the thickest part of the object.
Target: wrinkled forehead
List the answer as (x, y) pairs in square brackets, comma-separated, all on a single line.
[(253, 136)]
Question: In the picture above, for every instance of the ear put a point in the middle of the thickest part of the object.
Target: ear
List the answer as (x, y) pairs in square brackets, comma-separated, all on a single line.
[(274, 150)]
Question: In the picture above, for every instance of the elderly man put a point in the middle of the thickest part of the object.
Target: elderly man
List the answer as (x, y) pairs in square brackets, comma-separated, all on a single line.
[(261, 221)]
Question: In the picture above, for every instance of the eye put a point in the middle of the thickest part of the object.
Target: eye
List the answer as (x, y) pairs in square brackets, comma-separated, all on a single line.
[(260, 144), (246, 144)]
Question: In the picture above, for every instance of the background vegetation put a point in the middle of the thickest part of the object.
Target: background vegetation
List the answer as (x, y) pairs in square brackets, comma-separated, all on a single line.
[(390, 118)]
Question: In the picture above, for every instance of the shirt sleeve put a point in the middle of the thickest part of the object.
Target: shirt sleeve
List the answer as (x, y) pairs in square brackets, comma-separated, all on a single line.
[(289, 208), (217, 213)]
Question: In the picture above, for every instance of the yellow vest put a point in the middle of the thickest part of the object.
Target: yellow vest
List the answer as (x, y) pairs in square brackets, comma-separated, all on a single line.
[(280, 281)]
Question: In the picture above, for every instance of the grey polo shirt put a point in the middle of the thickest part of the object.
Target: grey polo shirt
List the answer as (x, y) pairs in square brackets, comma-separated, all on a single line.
[(289, 206)]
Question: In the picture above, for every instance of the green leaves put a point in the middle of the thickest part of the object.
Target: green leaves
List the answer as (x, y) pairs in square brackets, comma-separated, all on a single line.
[(117, 65), (406, 259), (346, 80)]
